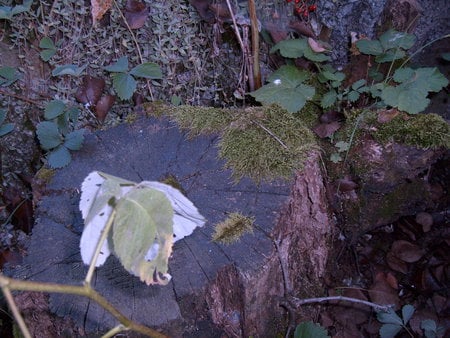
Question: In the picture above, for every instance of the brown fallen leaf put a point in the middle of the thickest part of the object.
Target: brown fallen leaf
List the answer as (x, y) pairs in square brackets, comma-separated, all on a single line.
[(301, 28), (386, 116), (425, 220), (90, 91), (396, 263), (331, 116), (346, 184), (326, 129), (99, 8), (382, 293), (103, 106), (136, 13), (317, 46), (406, 251)]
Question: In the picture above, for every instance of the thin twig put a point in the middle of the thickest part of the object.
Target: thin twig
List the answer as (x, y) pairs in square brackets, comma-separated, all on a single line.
[(16, 313), (271, 134), (138, 47), (235, 26), (20, 97), (298, 302), (255, 44)]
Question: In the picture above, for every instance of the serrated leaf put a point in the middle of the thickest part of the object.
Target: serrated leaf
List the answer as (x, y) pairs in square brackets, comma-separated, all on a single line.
[(48, 135), (377, 89), (375, 75), (59, 157), (389, 330), (389, 317), (328, 99), (289, 76), (293, 48), (47, 54), (309, 330), (8, 75), (73, 113), (394, 39), (432, 78), (144, 217), (68, 70), (353, 96), (120, 66), (403, 74), (358, 84), (53, 109), (147, 70), (370, 47), (333, 76), (409, 98), (124, 84), (6, 128), (74, 140), (390, 55), (46, 43), (407, 313), (313, 56)]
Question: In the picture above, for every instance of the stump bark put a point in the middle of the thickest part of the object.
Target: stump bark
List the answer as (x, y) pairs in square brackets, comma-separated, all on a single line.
[(215, 288)]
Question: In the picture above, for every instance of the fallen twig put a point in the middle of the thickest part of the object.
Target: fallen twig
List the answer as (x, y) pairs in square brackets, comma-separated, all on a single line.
[(298, 302)]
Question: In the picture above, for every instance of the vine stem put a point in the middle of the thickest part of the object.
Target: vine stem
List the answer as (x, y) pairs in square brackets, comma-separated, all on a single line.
[(8, 284), (298, 302)]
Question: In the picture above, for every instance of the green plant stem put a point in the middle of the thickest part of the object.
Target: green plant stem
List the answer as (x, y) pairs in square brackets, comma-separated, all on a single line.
[(7, 284), (422, 48), (98, 248)]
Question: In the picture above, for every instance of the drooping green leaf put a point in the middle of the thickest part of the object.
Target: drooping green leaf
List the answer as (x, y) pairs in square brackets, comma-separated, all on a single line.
[(124, 84), (48, 135), (328, 99), (389, 317), (310, 330), (407, 313), (390, 55), (74, 140), (59, 157), (393, 39), (120, 66), (7, 12), (140, 214), (370, 47), (53, 109), (286, 89), (8, 75), (147, 70), (68, 70), (293, 48)]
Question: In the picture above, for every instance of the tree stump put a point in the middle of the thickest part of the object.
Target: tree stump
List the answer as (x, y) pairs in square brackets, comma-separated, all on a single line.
[(215, 288)]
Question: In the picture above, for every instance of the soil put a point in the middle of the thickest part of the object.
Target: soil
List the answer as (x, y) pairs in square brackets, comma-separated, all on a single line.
[(403, 262)]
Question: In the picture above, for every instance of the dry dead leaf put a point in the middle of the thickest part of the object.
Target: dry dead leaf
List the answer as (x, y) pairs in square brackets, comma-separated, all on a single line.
[(103, 106), (425, 220), (90, 91), (136, 13), (316, 46), (386, 116), (396, 263), (99, 8), (382, 293), (301, 28), (406, 251)]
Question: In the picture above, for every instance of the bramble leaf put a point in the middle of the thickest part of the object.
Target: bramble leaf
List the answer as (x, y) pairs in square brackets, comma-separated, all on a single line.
[(394, 39), (8, 75), (328, 99), (68, 70), (389, 317), (389, 330), (124, 84), (120, 66), (53, 109), (48, 135), (147, 70), (74, 140), (407, 313), (59, 157), (310, 329), (370, 47)]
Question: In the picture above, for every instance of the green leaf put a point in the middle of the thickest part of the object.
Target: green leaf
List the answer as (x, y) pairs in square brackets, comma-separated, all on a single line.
[(390, 55), (48, 135), (73, 113), (293, 48), (46, 43), (446, 56), (286, 89), (328, 99), (393, 39), (389, 330), (74, 140), (353, 96), (7, 12), (147, 70), (8, 75), (313, 56), (310, 330), (370, 47), (375, 75), (407, 313), (342, 146), (411, 99), (432, 78), (335, 158), (47, 54), (53, 109), (68, 70), (124, 84), (389, 317), (6, 128), (144, 219), (59, 157), (403, 74), (333, 76), (120, 66), (358, 84)]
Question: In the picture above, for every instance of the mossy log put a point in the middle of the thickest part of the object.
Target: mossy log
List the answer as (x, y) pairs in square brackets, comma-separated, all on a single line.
[(216, 288)]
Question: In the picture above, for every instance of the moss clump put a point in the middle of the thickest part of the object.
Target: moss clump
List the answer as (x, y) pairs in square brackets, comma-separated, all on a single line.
[(232, 229), (422, 130), (265, 143), (201, 120)]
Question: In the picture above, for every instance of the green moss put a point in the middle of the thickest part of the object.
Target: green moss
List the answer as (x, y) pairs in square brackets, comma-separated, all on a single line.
[(421, 130), (201, 120), (265, 143), (232, 229)]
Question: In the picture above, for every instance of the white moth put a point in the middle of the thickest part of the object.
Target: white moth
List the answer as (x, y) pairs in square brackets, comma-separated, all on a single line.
[(97, 203)]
